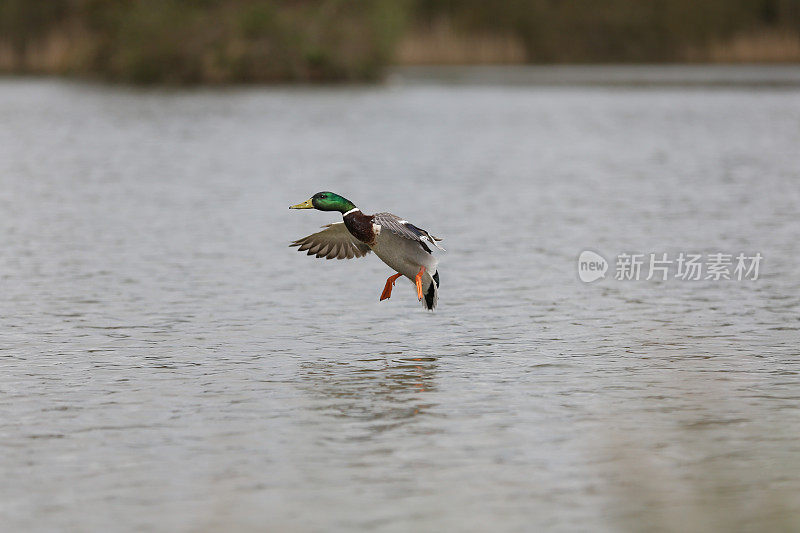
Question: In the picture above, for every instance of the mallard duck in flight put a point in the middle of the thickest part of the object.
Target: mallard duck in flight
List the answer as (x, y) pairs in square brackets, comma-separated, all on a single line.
[(397, 242)]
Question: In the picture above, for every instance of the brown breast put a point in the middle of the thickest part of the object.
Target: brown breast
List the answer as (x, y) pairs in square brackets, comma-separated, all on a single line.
[(360, 226)]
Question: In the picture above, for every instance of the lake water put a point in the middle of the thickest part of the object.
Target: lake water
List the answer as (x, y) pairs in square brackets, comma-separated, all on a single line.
[(170, 364)]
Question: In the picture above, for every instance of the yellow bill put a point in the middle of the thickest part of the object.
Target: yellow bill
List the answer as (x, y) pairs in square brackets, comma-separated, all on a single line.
[(305, 205)]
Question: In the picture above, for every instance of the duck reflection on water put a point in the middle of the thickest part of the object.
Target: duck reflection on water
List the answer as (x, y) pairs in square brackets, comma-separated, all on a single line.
[(386, 390)]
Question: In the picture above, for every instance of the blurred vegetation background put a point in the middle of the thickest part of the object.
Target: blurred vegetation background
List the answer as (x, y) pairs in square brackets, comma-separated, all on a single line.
[(226, 41)]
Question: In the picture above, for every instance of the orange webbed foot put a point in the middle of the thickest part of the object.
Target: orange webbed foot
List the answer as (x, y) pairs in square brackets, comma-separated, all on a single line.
[(418, 282), (387, 290)]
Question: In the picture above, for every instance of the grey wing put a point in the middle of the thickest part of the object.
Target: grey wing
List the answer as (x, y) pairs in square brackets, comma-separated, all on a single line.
[(333, 242), (405, 229)]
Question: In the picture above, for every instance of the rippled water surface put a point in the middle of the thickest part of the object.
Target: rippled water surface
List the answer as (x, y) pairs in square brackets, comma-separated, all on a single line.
[(169, 364)]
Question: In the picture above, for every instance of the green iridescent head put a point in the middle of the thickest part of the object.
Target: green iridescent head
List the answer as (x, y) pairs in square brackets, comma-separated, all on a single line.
[(326, 201)]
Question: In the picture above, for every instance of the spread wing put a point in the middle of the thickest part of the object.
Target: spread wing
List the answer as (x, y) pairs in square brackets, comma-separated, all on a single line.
[(332, 242), (405, 229)]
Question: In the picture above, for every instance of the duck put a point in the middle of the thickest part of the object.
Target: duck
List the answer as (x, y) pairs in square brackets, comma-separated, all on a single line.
[(404, 247)]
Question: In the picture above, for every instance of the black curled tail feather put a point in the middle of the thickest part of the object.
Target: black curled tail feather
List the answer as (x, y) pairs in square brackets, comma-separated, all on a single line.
[(431, 296)]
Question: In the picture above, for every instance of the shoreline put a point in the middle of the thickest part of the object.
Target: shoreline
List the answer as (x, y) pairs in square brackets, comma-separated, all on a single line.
[(611, 75)]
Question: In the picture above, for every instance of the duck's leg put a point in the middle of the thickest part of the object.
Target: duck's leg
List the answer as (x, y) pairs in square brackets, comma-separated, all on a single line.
[(418, 282), (387, 290)]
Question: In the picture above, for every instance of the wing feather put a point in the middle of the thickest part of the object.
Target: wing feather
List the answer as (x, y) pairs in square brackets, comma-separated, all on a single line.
[(334, 242), (405, 229)]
